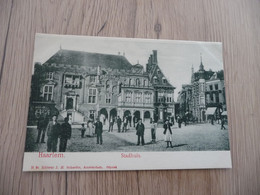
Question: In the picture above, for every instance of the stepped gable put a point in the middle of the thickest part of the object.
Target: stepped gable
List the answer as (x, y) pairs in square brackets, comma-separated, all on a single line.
[(81, 58)]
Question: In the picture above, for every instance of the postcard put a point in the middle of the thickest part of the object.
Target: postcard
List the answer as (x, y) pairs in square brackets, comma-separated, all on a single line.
[(102, 104)]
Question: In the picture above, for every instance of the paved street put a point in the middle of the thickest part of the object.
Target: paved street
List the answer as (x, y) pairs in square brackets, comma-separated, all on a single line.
[(198, 137)]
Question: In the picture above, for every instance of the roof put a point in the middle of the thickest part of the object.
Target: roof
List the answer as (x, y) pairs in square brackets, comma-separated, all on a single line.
[(89, 59)]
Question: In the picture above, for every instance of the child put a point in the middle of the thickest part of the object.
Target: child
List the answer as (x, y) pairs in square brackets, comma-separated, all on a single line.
[(83, 129)]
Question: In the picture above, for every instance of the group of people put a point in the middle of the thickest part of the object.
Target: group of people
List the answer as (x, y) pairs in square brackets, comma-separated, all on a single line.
[(63, 131), (122, 124), (54, 132)]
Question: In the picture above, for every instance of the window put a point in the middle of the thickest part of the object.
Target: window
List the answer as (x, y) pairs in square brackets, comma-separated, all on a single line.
[(107, 84), (108, 98), (147, 97), (202, 100), (138, 97), (128, 96), (145, 83), (49, 76), (138, 82), (160, 97), (211, 97), (69, 80), (92, 79), (48, 92), (216, 86), (210, 88), (164, 80), (158, 71), (130, 82), (169, 98), (114, 88), (77, 82), (92, 95), (155, 79)]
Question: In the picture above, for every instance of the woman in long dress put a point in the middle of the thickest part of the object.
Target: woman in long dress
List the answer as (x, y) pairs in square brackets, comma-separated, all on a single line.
[(90, 128), (153, 131), (168, 133)]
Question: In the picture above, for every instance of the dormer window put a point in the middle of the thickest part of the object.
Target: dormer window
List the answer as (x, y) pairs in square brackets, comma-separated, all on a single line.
[(164, 80), (155, 80), (158, 71)]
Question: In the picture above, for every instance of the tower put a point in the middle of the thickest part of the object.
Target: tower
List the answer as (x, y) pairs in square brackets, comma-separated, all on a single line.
[(192, 74)]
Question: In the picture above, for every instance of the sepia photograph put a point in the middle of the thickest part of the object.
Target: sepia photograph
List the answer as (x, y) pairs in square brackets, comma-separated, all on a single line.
[(97, 94)]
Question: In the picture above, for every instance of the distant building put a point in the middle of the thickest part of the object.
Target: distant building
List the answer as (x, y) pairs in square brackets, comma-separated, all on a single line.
[(185, 100), (205, 96)]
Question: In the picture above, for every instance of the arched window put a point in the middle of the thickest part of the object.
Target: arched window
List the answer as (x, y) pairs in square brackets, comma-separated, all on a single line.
[(120, 87), (130, 82), (137, 82), (107, 84), (145, 82)]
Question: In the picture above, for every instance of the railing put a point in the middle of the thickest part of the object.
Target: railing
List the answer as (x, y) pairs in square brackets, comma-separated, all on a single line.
[(135, 104)]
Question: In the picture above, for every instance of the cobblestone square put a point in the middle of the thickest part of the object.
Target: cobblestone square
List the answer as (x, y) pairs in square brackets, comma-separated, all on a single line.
[(197, 137)]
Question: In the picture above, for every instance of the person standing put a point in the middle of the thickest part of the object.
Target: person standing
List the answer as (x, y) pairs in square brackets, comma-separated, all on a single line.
[(65, 134), (124, 124), (90, 128), (111, 124), (223, 123), (168, 133), (82, 129), (119, 122), (53, 132), (212, 120), (153, 131), (172, 120), (179, 121), (41, 126), (140, 132), (99, 131), (130, 120)]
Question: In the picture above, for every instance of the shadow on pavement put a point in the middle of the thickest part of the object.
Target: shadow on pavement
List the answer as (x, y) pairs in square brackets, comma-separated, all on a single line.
[(179, 145)]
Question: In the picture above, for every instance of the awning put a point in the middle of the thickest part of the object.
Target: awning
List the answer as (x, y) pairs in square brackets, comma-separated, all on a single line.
[(224, 113), (210, 111)]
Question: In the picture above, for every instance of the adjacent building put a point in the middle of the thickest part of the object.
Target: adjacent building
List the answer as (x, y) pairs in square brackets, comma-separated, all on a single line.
[(163, 90), (204, 97)]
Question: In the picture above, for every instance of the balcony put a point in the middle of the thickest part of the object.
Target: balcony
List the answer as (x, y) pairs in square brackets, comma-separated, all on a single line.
[(137, 87), (135, 104)]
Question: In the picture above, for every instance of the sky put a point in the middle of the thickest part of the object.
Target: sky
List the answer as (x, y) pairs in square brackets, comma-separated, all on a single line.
[(175, 58)]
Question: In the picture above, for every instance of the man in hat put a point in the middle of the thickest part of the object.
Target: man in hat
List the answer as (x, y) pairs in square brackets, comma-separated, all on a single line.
[(119, 122), (65, 134), (99, 131), (140, 132), (53, 131)]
